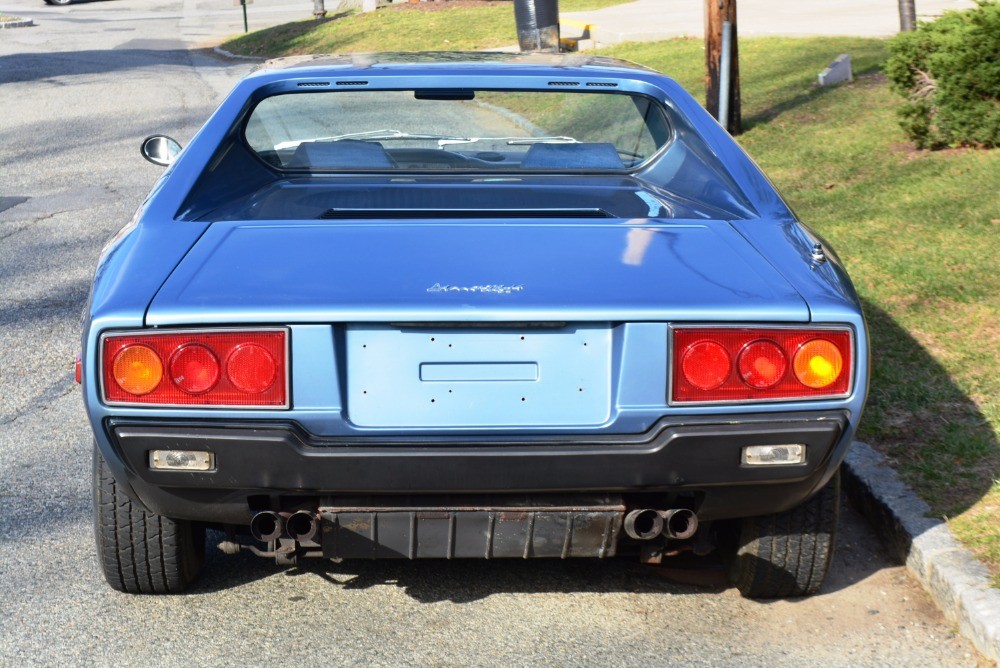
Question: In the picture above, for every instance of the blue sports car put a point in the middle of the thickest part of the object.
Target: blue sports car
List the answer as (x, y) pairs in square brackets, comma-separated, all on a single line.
[(468, 305)]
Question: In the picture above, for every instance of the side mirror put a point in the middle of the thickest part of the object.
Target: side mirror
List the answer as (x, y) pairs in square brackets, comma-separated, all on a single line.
[(160, 150)]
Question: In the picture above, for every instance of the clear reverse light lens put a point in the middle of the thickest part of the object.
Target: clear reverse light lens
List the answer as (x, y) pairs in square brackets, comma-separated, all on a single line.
[(774, 455), (181, 460)]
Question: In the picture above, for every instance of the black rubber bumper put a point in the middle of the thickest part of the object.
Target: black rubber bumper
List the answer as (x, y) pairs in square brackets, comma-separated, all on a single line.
[(702, 455)]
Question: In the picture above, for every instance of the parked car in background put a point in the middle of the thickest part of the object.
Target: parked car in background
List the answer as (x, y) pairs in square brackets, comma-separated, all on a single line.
[(468, 305)]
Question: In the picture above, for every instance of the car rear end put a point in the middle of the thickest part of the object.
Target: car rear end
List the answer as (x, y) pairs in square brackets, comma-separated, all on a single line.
[(478, 348)]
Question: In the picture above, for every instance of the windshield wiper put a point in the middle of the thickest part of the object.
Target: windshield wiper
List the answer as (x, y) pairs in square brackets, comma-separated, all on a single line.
[(510, 141), (515, 141), (374, 135)]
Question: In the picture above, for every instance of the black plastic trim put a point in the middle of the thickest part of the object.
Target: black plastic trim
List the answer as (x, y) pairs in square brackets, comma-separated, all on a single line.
[(282, 458)]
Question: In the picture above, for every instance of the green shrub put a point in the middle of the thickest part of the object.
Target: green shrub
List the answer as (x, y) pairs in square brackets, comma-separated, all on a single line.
[(949, 72)]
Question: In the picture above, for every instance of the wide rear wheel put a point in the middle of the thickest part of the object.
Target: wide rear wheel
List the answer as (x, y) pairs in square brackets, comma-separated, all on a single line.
[(142, 552), (788, 554)]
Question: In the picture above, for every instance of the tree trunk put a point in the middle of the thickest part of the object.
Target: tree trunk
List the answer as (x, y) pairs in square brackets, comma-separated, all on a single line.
[(717, 14)]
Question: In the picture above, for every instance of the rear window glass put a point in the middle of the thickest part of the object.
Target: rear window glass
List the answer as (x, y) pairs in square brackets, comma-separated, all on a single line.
[(456, 130)]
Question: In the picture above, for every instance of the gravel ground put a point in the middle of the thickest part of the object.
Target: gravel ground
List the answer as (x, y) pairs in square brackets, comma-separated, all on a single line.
[(78, 94)]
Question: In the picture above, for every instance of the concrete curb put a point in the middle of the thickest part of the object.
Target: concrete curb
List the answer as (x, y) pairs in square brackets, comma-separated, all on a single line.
[(20, 23), (235, 56), (958, 583)]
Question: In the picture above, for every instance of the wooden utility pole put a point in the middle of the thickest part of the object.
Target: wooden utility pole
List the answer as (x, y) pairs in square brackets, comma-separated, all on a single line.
[(720, 23)]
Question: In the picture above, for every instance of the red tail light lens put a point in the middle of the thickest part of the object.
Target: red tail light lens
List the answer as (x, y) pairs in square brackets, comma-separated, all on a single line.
[(730, 364), (194, 368), (236, 368), (251, 368), (762, 364), (706, 365)]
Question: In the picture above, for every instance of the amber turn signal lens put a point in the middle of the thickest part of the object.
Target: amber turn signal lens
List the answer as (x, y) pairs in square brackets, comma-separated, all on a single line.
[(138, 369), (818, 363)]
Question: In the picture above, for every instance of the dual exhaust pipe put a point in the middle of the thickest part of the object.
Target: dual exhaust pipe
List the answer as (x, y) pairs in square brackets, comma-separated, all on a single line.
[(644, 524), (647, 524), (300, 526)]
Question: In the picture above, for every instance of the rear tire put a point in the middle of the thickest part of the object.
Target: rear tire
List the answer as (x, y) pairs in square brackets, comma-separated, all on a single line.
[(788, 554), (142, 552)]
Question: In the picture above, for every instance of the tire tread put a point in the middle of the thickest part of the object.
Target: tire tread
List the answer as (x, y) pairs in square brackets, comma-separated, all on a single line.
[(141, 552), (789, 553)]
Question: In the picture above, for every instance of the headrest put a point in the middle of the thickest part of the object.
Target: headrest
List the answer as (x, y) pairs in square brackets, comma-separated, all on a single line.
[(340, 154), (572, 156)]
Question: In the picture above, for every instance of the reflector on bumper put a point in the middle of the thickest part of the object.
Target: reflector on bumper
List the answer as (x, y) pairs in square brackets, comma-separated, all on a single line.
[(181, 460), (774, 455)]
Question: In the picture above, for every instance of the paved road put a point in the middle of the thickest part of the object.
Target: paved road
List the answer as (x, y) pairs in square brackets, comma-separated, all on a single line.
[(77, 94), (645, 20)]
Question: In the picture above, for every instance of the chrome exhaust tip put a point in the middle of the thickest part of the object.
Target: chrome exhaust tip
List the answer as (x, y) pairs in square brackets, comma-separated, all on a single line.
[(266, 526), (679, 524), (645, 524), (302, 526)]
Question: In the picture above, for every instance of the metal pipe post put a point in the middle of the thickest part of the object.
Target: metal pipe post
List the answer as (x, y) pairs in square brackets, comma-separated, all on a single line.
[(724, 66), (907, 15)]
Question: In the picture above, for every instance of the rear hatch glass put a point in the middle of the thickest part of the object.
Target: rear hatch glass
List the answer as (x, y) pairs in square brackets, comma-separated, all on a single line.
[(405, 130)]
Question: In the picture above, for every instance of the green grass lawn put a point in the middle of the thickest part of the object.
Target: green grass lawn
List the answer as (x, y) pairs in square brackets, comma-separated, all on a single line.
[(919, 232), (405, 27), (399, 28)]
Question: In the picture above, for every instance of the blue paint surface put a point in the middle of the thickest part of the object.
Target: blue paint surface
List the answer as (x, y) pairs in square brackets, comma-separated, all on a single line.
[(697, 235), (626, 270), (432, 377)]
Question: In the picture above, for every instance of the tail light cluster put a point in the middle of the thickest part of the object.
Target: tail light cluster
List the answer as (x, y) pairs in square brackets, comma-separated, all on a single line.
[(239, 368), (719, 364)]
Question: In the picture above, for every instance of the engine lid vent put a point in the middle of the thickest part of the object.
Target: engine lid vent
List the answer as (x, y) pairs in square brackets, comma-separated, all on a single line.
[(425, 214)]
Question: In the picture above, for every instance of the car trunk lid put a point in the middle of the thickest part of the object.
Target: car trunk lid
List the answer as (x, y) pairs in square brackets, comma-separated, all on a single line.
[(468, 270)]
